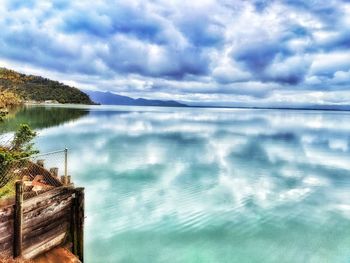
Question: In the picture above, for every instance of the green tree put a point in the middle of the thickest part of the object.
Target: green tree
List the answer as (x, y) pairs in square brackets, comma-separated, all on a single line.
[(22, 142), (11, 156)]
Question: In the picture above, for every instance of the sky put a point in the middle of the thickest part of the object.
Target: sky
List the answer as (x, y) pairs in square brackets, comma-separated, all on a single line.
[(201, 52)]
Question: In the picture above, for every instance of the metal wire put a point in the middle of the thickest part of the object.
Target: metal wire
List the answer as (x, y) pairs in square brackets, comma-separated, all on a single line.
[(39, 173)]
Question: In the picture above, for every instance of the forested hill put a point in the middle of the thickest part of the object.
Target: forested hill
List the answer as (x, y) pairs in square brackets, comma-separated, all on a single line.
[(35, 88)]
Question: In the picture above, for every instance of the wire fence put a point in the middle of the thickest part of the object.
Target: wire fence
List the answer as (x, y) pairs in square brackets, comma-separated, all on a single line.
[(39, 173), (6, 139)]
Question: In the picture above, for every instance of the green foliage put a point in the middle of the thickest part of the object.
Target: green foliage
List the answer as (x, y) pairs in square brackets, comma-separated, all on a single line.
[(8, 189), (6, 161), (20, 147), (35, 88), (22, 142), (2, 115)]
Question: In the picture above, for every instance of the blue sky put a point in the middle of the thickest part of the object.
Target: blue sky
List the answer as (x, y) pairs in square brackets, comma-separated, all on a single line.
[(278, 52)]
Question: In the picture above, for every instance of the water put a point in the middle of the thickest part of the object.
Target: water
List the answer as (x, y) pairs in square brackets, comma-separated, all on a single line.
[(206, 185)]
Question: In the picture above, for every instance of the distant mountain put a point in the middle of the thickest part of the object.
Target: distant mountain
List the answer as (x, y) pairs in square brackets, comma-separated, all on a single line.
[(109, 98), (287, 107), (327, 107), (39, 89), (322, 107)]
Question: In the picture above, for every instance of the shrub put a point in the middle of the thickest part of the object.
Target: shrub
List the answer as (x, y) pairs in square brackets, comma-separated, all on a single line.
[(20, 147)]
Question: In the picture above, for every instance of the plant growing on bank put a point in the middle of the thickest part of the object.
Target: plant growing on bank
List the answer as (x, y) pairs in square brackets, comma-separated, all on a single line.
[(22, 142), (20, 147)]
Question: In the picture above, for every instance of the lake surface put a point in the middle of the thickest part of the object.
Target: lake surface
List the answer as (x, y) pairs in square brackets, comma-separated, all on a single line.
[(205, 185)]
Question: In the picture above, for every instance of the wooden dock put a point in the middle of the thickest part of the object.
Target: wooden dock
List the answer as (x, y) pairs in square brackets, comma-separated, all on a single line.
[(36, 227)]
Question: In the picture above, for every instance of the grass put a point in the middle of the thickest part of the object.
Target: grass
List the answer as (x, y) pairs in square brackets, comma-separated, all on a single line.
[(8, 190)]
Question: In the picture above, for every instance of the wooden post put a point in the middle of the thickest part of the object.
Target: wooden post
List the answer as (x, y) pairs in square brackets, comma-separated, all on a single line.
[(78, 224), (64, 179), (40, 162), (18, 220), (54, 171), (66, 162), (73, 227)]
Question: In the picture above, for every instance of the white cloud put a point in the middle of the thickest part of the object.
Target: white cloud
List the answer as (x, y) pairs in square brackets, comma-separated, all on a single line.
[(213, 51), (329, 63)]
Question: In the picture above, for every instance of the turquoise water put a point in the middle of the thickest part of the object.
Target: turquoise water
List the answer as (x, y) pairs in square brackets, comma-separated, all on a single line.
[(206, 185)]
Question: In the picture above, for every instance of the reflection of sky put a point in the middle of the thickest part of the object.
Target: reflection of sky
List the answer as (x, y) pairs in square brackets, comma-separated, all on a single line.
[(211, 185)]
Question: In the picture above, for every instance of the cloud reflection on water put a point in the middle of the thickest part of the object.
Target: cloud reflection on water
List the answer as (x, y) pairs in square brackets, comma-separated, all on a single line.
[(177, 171)]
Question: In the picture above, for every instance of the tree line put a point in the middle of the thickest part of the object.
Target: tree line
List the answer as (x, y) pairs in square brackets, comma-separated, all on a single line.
[(39, 89)]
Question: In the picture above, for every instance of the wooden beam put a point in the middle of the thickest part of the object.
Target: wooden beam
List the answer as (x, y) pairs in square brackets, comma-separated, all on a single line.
[(18, 220), (6, 213), (54, 171), (40, 162), (45, 245), (32, 203), (44, 213), (38, 232), (78, 223)]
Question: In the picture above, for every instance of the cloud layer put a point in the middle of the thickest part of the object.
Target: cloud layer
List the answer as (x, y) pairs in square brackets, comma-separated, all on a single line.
[(201, 52)]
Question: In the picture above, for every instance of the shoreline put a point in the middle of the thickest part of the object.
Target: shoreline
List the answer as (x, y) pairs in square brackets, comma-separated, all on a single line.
[(33, 103)]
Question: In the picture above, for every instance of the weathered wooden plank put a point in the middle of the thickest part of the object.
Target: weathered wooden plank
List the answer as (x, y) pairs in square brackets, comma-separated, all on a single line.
[(37, 231), (6, 214), (6, 231), (45, 246), (48, 202), (31, 227), (45, 196), (5, 220), (37, 240), (6, 238), (29, 195), (47, 218), (34, 202), (48, 209), (5, 225), (5, 245), (45, 242)]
